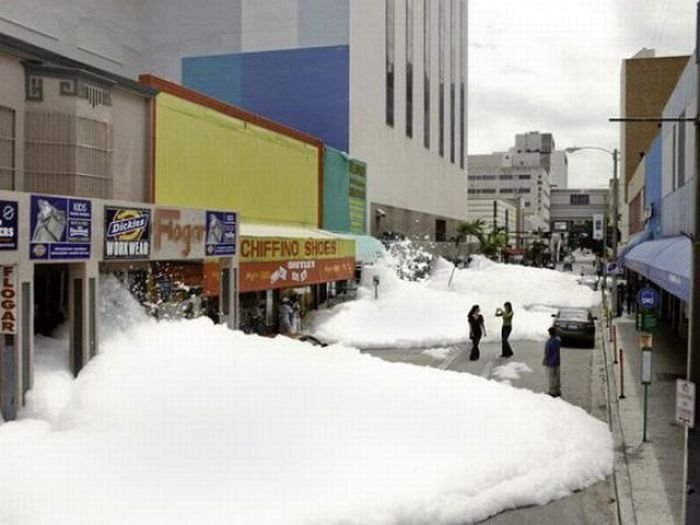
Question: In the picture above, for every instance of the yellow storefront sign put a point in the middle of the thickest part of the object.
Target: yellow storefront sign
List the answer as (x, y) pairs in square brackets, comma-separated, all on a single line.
[(267, 249), (210, 160)]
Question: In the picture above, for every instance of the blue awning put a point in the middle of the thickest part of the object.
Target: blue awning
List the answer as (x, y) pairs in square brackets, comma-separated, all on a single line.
[(665, 262), (635, 240)]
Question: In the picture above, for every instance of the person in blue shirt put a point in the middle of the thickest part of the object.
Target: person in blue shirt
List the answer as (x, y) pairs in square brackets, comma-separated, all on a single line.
[(552, 361)]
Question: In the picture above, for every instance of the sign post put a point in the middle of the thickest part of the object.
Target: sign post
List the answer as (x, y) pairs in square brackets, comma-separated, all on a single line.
[(647, 300), (646, 381), (685, 403)]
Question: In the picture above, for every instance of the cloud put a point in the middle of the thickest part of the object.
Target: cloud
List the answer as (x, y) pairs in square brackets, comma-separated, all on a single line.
[(554, 66)]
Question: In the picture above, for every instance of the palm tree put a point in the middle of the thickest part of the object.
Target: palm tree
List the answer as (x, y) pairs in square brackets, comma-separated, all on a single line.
[(489, 243), (475, 228)]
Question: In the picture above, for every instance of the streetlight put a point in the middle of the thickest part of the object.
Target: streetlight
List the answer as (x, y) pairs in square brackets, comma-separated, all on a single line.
[(614, 154)]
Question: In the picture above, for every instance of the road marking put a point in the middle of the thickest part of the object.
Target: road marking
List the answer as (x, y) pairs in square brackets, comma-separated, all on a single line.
[(451, 358), (487, 369)]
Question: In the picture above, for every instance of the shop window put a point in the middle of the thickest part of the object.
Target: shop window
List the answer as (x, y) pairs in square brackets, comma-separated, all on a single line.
[(426, 73), (453, 35), (441, 74), (7, 148), (389, 44), (409, 68), (440, 230), (579, 199), (462, 81), (71, 155)]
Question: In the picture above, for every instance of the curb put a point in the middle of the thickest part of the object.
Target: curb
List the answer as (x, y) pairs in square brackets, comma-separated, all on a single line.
[(622, 487)]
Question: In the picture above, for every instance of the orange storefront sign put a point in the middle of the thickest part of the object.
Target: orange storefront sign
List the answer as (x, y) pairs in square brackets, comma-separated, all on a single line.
[(270, 275), (273, 262)]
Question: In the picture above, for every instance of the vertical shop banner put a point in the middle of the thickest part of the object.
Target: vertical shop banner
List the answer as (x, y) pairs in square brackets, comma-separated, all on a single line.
[(597, 227), (358, 196), (127, 233), (8, 225), (61, 228), (8, 300), (221, 233)]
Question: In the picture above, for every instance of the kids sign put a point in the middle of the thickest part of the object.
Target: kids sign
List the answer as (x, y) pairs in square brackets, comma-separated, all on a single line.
[(221, 233), (61, 228)]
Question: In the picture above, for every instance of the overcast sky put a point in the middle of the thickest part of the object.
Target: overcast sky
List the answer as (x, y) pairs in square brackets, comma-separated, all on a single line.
[(554, 66)]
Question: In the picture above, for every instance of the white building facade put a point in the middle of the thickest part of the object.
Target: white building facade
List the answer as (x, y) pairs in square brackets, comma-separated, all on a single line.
[(385, 81), (524, 171)]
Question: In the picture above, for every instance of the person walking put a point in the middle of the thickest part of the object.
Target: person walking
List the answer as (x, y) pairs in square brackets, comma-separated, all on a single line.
[(477, 329), (506, 313), (286, 317), (552, 361)]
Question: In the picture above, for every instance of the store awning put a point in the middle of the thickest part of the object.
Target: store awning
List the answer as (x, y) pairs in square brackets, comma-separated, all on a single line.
[(281, 256), (368, 249), (665, 262), (274, 230), (634, 240)]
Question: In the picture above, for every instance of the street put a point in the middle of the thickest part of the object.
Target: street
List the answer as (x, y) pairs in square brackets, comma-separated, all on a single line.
[(590, 506), (582, 385)]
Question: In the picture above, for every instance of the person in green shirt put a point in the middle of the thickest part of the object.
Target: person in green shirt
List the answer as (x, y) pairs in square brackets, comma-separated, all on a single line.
[(507, 314)]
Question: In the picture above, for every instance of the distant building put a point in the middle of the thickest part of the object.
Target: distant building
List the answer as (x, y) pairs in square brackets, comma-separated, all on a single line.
[(498, 214), (646, 82), (560, 170), (574, 212), (524, 171)]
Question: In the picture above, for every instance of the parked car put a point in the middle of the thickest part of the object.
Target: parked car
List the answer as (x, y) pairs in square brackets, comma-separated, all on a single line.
[(575, 325)]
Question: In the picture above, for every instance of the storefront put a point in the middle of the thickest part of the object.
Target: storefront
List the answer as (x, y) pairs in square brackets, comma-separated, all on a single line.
[(299, 263), (54, 248)]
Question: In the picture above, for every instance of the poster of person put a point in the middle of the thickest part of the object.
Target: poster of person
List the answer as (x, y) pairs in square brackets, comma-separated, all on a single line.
[(61, 228), (221, 233)]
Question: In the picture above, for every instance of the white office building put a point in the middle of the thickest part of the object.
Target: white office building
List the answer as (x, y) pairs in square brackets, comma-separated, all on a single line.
[(524, 171)]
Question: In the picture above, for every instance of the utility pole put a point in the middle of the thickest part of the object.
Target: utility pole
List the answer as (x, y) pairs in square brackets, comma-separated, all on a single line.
[(692, 439), (615, 223)]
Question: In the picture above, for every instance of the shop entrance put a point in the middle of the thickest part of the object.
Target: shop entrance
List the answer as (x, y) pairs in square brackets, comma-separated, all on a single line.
[(50, 298), (65, 309)]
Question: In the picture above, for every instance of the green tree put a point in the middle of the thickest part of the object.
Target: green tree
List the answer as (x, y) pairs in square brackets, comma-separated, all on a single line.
[(490, 243)]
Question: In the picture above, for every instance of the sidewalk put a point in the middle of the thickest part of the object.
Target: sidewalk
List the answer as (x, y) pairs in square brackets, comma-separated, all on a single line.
[(648, 475)]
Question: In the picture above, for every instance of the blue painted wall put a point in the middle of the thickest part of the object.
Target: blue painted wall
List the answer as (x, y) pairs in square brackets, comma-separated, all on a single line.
[(652, 185), (336, 191), (306, 88)]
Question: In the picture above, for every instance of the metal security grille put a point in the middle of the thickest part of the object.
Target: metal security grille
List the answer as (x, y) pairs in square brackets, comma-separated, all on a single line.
[(68, 155), (7, 148)]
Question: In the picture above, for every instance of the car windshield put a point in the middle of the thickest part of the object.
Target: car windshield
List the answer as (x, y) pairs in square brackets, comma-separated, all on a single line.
[(574, 315)]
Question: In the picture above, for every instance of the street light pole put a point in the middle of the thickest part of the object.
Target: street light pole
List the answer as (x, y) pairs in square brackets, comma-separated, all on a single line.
[(616, 215), (615, 219)]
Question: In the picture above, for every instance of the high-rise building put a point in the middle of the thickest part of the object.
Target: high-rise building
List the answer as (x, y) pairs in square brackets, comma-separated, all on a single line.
[(382, 80), (524, 171)]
